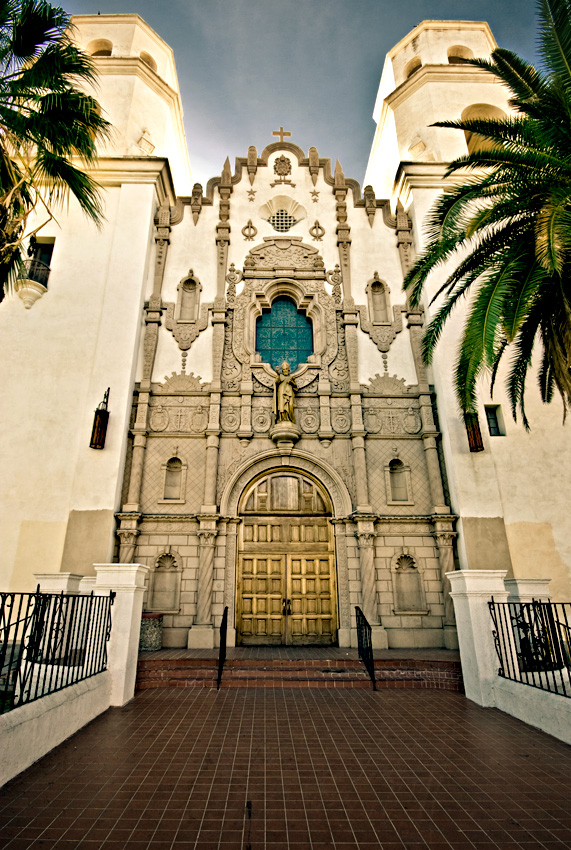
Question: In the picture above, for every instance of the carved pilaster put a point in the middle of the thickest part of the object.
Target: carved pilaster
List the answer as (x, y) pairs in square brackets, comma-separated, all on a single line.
[(368, 583), (162, 241), (207, 537), (343, 229), (127, 534), (404, 239), (223, 227), (359, 460), (212, 446), (434, 474), (445, 542)]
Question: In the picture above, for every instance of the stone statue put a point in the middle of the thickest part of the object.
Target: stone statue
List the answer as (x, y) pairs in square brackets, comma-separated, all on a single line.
[(284, 390)]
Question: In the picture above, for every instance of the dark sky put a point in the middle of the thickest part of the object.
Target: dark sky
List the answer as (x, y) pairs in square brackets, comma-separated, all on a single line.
[(245, 67)]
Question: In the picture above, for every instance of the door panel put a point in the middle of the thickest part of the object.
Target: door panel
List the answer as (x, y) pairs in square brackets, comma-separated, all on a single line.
[(286, 590)]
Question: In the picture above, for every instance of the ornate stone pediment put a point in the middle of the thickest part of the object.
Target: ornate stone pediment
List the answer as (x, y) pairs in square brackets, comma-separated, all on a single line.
[(283, 253)]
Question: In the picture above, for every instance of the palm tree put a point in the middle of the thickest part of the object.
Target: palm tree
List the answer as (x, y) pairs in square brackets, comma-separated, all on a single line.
[(505, 228), (47, 123)]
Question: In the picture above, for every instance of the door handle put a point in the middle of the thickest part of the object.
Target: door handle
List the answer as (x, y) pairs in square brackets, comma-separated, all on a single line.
[(286, 606)]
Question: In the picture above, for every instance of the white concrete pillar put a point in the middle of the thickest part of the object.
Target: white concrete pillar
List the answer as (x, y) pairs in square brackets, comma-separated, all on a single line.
[(471, 592), (56, 582), (128, 582), (528, 589)]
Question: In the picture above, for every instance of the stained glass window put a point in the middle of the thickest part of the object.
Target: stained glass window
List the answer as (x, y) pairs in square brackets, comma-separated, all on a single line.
[(284, 333)]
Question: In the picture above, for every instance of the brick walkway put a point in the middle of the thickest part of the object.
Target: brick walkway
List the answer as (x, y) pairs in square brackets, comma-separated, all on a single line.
[(294, 769)]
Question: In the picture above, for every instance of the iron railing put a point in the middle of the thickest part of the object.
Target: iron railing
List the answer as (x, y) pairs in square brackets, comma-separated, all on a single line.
[(533, 643), (222, 650), (365, 644), (50, 641), (34, 270)]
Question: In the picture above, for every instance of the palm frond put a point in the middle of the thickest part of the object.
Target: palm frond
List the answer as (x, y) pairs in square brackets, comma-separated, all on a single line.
[(555, 38)]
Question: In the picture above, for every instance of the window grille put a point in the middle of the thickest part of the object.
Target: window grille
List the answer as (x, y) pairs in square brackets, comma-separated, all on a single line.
[(282, 221)]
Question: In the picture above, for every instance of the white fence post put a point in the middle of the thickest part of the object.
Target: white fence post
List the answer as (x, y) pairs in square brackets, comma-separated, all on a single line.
[(128, 582), (471, 592), (56, 582)]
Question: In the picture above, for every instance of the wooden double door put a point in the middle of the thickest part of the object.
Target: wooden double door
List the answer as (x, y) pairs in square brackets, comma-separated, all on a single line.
[(286, 590)]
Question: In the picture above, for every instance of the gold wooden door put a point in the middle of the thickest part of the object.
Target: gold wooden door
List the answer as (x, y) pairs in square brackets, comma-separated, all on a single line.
[(286, 590)]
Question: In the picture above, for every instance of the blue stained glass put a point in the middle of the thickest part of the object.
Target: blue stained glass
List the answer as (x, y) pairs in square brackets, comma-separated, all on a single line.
[(284, 333)]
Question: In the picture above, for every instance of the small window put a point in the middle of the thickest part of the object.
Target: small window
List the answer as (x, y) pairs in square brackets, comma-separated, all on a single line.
[(459, 55), (486, 111), (188, 301), (282, 221), (495, 420)]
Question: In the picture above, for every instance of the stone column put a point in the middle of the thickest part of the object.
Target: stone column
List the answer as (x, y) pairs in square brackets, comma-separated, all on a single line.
[(471, 592), (128, 582), (445, 542), (366, 538), (201, 635), (359, 460), (136, 477), (128, 532), (212, 446)]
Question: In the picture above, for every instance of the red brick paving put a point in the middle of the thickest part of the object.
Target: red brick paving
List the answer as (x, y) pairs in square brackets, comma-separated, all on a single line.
[(297, 769)]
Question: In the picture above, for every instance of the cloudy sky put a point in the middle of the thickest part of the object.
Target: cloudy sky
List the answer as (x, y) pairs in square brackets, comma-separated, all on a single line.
[(245, 67)]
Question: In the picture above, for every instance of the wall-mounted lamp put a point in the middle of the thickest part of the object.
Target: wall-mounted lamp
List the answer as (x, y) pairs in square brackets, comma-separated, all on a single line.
[(100, 421)]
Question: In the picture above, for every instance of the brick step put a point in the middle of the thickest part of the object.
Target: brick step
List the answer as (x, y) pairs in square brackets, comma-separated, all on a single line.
[(187, 672)]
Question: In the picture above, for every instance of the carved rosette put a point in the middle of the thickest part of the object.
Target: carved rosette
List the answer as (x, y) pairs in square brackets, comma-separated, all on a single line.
[(341, 420), (230, 419)]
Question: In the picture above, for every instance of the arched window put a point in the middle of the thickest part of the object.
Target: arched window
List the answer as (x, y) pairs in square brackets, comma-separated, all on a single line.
[(173, 479), (412, 67), (284, 333), (100, 47), (379, 302), (474, 141), (459, 55)]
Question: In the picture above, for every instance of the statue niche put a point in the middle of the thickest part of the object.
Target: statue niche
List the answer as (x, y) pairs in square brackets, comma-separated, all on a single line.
[(284, 391)]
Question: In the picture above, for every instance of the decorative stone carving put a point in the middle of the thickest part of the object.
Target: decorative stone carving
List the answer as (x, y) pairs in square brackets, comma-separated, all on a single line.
[(196, 202), (412, 422), (339, 369), (341, 420), (249, 231), (335, 278), (261, 420), (282, 168), (317, 232), (159, 419), (309, 420), (251, 194), (370, 203), (233, 278), (180, 382), (372, 421), (186, 333), (230, 419), (313, 158), (252, 165), (382, 335), (284, 394), (199, 419), (387, 385), (231, 369), (284, 253), (259, 387)]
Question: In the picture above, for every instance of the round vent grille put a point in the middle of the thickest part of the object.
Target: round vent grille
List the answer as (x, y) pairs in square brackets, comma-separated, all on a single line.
[(282, 221)]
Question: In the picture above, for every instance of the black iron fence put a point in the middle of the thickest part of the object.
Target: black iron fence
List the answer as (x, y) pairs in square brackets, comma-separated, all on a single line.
[(533, 643), (365, 644), (222, 650), (33, 269), (49, 642)]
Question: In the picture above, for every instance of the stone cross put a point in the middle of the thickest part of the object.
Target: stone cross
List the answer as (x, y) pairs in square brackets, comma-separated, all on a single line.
[(281, 133)]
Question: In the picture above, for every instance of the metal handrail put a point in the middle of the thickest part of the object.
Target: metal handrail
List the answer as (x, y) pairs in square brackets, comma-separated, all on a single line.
[(33, 269), (365, 644), (222, 650), (49, 642)]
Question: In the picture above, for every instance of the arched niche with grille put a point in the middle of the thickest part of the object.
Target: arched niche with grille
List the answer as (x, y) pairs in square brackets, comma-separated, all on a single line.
[(408, 585), (474, 141), (412, 67), (282, 212), (174, 481), (164, 584), (378, 300), (188, 299), (398, 483), (459, 55)]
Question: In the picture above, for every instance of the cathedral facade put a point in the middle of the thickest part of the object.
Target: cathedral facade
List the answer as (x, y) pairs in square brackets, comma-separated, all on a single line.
[(275, 442)]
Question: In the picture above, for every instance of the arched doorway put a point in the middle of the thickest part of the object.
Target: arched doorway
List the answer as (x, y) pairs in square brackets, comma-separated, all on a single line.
[(285, 589)]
